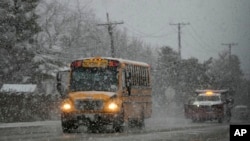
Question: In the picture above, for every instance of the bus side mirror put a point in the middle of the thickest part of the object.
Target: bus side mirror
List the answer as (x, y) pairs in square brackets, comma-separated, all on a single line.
[(59, 83), (61, 77)]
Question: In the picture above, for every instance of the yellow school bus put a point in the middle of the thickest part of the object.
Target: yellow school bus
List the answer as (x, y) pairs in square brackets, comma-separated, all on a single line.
[(106, 92)]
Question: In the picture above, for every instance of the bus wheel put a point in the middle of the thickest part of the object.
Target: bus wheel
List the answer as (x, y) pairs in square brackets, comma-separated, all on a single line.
[(141, 122), (68, 126), (67, 123), (118, 126)]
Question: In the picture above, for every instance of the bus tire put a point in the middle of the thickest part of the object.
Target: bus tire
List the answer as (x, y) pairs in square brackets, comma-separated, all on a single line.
[(141, 121), (67, 126), (141, 124), (118, 125), (118, 128)]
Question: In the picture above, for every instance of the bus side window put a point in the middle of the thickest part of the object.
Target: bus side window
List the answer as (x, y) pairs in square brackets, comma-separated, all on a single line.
[(144, 77), (147, 77), (133, 76), (128, 81), (123, 79), (137, 76), (140, 76)]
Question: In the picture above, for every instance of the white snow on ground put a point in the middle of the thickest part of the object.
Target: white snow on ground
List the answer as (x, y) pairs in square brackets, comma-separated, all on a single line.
[(27, 124), (164, 124), (167, 118), (160, 120)]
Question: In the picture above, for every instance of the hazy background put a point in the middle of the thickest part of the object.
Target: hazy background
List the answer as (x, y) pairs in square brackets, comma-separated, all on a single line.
[(211, 23), (43, 39)]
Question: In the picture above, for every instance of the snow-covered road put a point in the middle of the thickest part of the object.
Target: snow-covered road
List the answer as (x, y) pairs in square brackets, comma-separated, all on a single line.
[(161, 127)]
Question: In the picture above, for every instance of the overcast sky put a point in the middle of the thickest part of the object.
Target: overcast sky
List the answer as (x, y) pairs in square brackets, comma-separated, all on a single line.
[(211, 23)]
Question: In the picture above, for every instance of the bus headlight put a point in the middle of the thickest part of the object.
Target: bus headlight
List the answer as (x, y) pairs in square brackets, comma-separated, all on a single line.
[(66, 106), (113, 106)]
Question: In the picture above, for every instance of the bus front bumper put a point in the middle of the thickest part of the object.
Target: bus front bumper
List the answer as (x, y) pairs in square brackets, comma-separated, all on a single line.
[(91, 118)]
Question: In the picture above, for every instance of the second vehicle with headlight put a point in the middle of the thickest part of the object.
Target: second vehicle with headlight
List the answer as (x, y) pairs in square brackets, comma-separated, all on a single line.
[(207, 105)]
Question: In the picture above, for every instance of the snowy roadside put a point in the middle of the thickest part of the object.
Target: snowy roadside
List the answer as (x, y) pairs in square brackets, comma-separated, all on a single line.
[(172, 118), (29, 124)]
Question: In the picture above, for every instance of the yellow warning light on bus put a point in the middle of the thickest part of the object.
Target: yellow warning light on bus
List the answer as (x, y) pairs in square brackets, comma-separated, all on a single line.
[(209, 93)]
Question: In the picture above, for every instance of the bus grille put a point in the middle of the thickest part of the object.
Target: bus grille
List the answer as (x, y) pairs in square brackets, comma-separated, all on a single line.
[(89, 104)]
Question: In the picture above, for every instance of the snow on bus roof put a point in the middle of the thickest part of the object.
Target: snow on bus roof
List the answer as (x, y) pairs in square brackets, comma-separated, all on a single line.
[(118, 59)]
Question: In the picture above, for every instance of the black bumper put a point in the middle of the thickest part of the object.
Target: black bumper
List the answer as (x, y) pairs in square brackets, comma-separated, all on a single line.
[(90, 118)]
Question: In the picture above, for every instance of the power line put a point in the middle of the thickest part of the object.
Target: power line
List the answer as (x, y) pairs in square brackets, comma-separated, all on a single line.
[(229, 47), (206, 46), (156, 34), (110, 26)]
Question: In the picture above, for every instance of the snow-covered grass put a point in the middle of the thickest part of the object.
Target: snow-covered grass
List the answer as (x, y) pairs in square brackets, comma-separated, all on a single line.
[(28, 124)]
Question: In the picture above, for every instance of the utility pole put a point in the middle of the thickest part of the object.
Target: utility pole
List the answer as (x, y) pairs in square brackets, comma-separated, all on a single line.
[(179, 35), (110, 26), (229, 47), (229, 52)]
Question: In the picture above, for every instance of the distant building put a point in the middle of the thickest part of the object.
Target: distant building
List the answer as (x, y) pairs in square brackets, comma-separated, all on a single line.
[(19, 88)]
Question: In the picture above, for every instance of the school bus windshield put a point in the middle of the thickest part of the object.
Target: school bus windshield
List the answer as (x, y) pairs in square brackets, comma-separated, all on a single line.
[(94, 79)]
